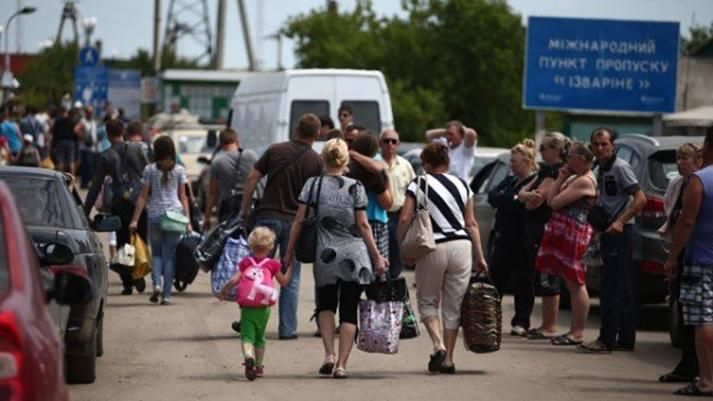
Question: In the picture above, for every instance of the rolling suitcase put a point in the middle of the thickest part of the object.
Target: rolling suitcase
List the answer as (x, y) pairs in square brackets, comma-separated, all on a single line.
[(186, 265)]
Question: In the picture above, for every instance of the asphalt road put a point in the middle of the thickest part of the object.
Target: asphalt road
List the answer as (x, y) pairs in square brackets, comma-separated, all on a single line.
[(187, 351)]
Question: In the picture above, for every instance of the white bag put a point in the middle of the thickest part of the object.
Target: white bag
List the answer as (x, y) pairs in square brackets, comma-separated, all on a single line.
[(125, 256), (419, 240)]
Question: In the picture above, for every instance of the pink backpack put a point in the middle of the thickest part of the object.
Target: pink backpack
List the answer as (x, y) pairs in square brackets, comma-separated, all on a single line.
[(255, 287)]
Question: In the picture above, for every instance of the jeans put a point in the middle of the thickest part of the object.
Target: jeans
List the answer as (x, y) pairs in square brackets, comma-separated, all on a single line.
[(617, 299), (290, 293), (511, 271), (163, 256), (394, 251)]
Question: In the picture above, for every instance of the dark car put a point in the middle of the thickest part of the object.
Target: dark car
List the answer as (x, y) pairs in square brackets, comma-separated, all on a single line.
[(654, 163), (31, 362), (52, 212)]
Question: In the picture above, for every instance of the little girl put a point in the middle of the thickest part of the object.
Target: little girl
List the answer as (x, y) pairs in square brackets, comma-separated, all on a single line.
[(255, 295)]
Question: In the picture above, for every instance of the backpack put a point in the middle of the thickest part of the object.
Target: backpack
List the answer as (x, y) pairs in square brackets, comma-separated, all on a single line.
[(124, 187), (28, 157)]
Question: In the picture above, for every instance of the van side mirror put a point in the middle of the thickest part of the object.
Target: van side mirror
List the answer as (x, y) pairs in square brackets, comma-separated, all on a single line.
[(70, 288), (106, 223)]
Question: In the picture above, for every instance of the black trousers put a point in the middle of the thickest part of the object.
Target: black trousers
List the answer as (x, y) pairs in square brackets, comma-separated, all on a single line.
[(125, 211), (345, 295), (511, 271)]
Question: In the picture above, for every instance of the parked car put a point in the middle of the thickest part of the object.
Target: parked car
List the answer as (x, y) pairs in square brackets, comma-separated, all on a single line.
[(31, 362), (483, 156), (52, 212), (654, 163)]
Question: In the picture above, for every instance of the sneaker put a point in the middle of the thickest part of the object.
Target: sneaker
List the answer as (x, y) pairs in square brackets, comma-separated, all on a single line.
[(166, 301), (518, 331), (126, 291), (250, 372), (140, 285), (259, 371), (155, 294)]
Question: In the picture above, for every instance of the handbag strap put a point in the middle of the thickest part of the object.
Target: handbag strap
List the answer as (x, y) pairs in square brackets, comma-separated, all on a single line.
[(237, 171), (419, 179)]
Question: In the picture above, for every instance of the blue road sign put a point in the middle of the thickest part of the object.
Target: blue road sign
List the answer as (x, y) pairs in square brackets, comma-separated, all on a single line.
[(91, 85), (88, 56), (601, 65)]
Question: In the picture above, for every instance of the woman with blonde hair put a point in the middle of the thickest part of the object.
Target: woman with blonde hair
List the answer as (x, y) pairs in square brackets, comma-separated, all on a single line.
[(688, 161), (345, 250), (553, 149), (567, 235), (510, 270)]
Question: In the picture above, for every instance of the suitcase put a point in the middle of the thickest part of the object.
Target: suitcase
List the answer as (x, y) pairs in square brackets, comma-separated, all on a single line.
[(482, 316), (186, 265)]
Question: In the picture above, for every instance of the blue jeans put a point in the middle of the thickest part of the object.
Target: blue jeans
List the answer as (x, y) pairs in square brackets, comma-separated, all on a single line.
[(163, 256), (617, 298), (289, 294)]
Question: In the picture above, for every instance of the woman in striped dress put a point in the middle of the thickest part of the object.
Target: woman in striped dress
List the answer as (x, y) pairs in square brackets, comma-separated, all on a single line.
[(442, 276), (567, 235)]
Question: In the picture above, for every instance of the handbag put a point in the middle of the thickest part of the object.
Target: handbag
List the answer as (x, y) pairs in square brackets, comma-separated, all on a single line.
[(142, 261), (482, 316), (396, 290), (306, 247), (235, 249), (174, 222), (598, 218), (210, 248), (125, 256), (379, 326), (419, 240)]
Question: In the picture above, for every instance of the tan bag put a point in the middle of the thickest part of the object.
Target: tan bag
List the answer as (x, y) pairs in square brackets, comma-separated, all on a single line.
[(142, 262), (418, 240)]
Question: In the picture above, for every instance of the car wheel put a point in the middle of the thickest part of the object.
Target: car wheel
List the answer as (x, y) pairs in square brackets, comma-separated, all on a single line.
[(82, 368), (100, 337), (674, 329)]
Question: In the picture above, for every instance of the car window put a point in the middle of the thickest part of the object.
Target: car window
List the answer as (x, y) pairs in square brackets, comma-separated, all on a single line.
[(366, 113), (4, 268), (300, 107), (662, 169), (39, 201), (501, 171), (478, 184), (629, 154), (191, 144)]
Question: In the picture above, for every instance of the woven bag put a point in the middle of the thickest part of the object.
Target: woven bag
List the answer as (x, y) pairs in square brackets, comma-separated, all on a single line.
[(482, 316)]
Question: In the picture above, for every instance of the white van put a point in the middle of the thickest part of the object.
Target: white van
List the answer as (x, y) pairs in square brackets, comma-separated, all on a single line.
[(266, 107)]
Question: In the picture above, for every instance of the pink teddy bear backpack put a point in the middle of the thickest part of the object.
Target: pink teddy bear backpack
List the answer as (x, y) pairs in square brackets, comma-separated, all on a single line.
[(255, 287)]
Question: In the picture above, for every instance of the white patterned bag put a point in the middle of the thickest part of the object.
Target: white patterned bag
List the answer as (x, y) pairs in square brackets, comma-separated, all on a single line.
[(379, 326), (233, 251)]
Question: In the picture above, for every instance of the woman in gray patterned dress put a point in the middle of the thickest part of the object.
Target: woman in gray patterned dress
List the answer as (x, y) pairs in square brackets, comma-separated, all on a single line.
[(344, 246)]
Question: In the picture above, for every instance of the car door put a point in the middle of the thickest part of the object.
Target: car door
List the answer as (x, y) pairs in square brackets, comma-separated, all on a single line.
[(488, 177)]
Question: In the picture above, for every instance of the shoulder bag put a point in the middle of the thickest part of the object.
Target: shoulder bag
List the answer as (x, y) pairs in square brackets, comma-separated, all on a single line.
[(419, 239), (306, 247)]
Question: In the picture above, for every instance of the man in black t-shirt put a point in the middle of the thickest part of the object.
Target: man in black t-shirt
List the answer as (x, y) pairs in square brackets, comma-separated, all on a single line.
[(287, 166), (64, 142)]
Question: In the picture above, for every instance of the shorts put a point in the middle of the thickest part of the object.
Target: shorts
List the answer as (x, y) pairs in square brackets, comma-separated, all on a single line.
[(380, 231), (696, 296), (253, 324), (345, 294), (65, 152)]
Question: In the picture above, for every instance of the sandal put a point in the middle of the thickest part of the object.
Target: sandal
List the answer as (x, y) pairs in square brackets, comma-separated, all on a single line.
[(448, 370), (340, 373), (436, 362), (250, 372), (327, 367), (594, 347), (536, 334), (565, 340), (692, 390), (675, 378)]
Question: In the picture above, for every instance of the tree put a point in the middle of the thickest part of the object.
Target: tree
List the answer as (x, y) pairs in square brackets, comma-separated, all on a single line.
[(143, 61), (49, 76), (448, 59), (698, 36)]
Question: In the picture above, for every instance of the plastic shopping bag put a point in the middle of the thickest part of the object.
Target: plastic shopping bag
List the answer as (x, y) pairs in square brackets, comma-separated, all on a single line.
[(233, 251), (142, 261)]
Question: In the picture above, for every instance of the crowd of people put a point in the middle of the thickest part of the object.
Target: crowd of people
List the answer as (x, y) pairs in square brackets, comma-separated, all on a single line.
[(365, 197)]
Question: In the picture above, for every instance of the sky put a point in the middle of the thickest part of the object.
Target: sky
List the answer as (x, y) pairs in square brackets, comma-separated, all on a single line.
[(126, 25)]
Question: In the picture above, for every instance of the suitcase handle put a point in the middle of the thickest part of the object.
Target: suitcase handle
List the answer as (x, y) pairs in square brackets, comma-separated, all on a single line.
[(481, 276)]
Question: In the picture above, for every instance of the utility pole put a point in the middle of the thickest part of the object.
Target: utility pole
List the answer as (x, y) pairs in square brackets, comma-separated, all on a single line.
[(246, 35), (220, 36), (69, 12), (157, 36), (189, 18)]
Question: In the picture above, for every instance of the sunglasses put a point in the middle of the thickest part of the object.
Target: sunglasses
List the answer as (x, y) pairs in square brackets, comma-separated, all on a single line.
[(390, 141)]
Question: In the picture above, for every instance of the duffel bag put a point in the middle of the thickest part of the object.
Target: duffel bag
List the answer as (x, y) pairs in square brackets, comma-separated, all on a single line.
[(211, 247), (186, 265), (481, 316), (233, 251)]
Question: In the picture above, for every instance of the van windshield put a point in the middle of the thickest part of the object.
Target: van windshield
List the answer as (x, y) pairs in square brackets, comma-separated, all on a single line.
[(300, 107), (366, 114)]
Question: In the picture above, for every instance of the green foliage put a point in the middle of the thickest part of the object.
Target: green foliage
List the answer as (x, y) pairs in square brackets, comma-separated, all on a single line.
[(49, 76), (698, 36), (448, 59)]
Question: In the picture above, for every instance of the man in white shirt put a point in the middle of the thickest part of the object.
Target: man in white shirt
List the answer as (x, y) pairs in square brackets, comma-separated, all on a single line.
[(461, 144)]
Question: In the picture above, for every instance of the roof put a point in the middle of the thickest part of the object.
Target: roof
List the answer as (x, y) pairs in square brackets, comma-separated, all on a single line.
[(663, 142), (42, 172), (206, 75), (698, 117)]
